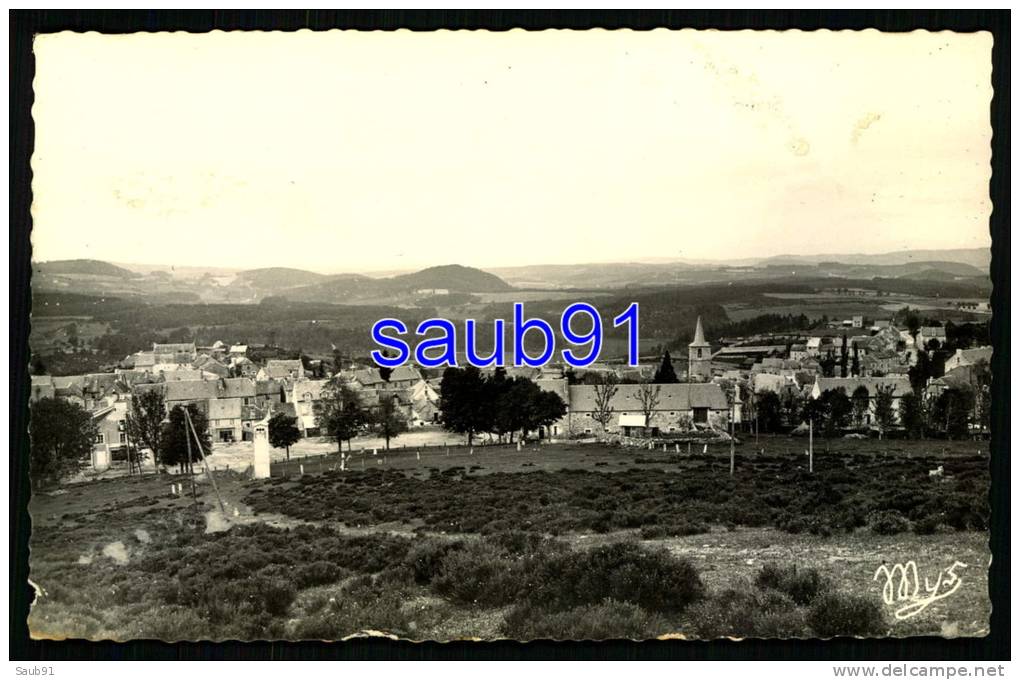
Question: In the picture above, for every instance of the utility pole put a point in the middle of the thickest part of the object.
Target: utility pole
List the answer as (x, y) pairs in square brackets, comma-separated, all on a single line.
[(191, 475), (811, 444), (198, 442), (732, 452)]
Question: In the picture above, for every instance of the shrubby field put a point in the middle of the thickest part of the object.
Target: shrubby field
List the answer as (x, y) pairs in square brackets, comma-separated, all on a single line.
[(612, 543)]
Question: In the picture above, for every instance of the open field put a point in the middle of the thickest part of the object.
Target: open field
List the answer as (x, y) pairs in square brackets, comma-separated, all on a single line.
[(555, 541)]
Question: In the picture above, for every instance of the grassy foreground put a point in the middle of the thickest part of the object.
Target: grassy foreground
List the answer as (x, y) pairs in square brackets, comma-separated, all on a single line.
[(423, 550)]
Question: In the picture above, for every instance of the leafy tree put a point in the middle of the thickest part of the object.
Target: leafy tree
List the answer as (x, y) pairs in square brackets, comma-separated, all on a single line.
[(838, 410), (38, 367), (828, 365), (769, 411), (912, 321), (791, 407), (145, 419), (178, 446), (843, 355), (920, 372), (855, 364), (952, 411), (62, 435), (521, 406), (544, 410), (830, 412), (339, 413), (388, 421), (283, 431), (385, 371), (861, 401), (665, 373), (463, 402), (913, 414), (884, 415)]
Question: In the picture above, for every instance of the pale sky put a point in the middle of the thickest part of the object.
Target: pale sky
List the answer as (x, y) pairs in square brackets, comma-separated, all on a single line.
[(347, 151)]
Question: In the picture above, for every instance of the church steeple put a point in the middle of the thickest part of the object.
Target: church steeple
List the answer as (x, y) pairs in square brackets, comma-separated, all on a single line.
[(699, 356), (699, 334)]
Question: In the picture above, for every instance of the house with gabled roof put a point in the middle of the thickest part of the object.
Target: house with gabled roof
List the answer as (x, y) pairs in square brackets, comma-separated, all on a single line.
[(282, 369), (969, 357), (304, 395), (403, 376), (225, 419), (678, 405)]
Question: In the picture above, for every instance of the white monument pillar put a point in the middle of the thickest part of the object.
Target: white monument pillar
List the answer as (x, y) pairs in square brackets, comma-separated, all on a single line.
[(261, 437)]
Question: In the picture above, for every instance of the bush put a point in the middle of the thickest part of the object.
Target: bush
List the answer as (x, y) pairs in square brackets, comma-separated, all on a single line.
[(627, 572), (426, 558), (363, 604), (479, 574), (926, 526), (747, 613), (318, 573), (889, 523), (835, 614), (276, 596), (606, 620), (801, 585)]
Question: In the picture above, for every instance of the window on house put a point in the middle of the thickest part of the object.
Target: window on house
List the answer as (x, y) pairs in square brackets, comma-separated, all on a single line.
[(100, 438), (123, 438)]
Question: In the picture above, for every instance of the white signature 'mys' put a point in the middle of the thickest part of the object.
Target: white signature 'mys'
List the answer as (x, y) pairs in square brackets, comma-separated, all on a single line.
[(908, 587)]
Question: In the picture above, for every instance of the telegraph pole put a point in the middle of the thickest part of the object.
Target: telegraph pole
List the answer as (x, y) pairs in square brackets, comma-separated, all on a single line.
[(811, 444), (212, 478), (732, 452), (191, 474)]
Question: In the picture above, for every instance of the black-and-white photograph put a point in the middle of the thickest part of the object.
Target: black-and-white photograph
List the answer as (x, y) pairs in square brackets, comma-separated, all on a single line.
[(466, 335)]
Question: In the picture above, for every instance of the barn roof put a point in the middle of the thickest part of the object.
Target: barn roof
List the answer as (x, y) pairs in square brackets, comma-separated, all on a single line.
[(191, 390), (672, 397)]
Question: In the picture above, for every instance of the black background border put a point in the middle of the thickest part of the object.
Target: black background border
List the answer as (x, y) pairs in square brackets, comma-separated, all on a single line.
[(26, 23)]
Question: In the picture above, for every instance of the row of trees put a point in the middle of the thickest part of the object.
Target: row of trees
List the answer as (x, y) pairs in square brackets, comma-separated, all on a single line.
[(341, 414), (950, 414), (498, 404)]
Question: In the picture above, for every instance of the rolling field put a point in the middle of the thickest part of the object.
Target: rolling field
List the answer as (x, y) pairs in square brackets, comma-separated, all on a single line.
[(560, 541)]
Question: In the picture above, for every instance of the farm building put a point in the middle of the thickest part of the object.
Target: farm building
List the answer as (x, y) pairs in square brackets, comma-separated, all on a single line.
[(677, 407)]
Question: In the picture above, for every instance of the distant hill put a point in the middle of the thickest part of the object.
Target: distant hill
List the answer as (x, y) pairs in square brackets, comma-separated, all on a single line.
[(82, 267), (356, 288), (452, 277), (976, 257), (275, 278), (597, 274), (335, 289)]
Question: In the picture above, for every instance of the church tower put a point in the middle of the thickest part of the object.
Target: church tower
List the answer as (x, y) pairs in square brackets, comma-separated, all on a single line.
[(699, 356)]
